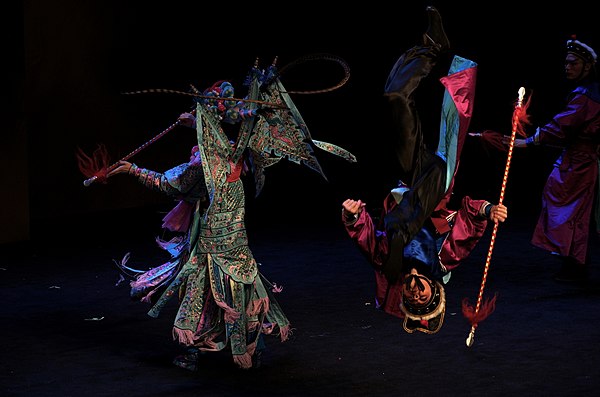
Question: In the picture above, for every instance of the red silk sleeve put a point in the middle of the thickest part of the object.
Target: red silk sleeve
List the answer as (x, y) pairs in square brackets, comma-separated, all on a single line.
[(468, 228)]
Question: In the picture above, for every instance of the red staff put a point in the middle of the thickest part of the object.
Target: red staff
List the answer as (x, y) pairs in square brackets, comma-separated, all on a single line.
[(481, 311), (96, 168)]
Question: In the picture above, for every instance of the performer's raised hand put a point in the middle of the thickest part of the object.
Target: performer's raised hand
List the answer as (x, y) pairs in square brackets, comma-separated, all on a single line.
[(352, 207)]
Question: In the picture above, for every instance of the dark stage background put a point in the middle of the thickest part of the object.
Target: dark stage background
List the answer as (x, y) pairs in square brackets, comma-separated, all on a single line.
[(73, 60), (67, 63)]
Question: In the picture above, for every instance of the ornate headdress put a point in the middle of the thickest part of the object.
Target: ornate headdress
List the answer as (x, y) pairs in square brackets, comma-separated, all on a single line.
[(582, 50), (429, 317), (224, 105)]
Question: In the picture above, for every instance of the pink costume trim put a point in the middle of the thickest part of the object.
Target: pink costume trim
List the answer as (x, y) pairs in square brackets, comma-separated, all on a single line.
[(243, 360), (185, 337), (179, 218), (208, 344), (284, 333), (231, 314), (258, 306), (147, 298)]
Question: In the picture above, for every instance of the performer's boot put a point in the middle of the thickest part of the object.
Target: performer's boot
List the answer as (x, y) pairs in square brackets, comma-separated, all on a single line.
[(189, 360), (416, 63), (410, 69), (435, 34)]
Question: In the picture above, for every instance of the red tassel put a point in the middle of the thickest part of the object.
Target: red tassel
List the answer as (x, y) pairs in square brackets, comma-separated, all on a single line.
[(521, 118), (484, 311), (97, 165), (494, 140)]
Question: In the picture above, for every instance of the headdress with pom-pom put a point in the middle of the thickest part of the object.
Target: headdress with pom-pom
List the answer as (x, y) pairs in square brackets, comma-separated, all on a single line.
[(581, 49)]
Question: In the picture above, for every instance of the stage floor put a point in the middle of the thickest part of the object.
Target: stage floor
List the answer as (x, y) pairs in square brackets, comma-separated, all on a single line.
[(70, 329)]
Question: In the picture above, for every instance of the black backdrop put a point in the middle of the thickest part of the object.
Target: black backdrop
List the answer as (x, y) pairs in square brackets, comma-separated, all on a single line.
[(73, 59), (78, 57)]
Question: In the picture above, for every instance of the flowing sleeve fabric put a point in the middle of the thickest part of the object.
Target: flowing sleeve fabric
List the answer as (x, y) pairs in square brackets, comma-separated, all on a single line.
[(469, 226), (185, 181), (373, 244), (580, 117)]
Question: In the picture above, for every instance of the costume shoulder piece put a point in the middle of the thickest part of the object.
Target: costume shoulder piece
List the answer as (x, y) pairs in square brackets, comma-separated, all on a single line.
[(281, 132)]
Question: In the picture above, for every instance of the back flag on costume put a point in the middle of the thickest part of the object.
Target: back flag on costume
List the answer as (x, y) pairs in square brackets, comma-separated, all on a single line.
[(457, 110)]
